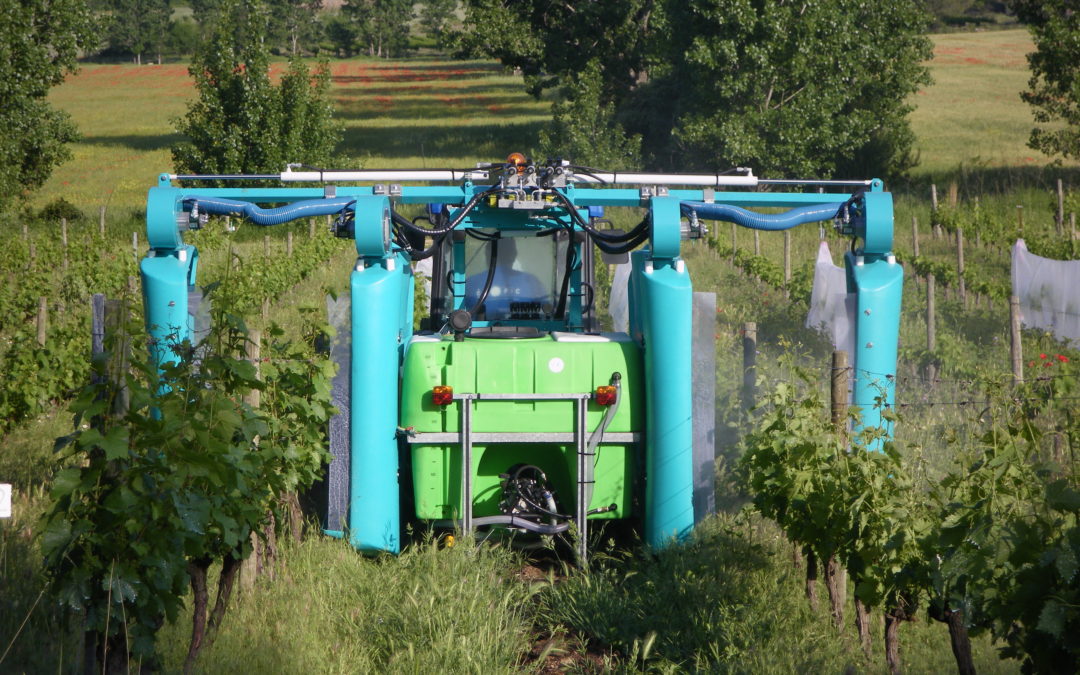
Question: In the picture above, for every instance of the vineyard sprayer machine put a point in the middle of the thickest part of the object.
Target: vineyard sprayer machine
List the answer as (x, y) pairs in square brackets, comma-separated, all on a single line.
[(510, 410)]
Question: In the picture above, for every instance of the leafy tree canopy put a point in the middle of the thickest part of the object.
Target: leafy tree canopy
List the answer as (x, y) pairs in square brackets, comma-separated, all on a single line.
[(813, 88), (39, 43), (1054, 87), (241, 122)]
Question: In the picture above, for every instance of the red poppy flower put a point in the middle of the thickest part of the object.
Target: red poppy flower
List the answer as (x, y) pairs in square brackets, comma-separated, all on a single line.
[(1042, 356), (1048, 364), (1062, 358)]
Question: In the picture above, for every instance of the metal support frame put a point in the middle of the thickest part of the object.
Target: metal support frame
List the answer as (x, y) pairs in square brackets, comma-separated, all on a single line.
[(466, 438)]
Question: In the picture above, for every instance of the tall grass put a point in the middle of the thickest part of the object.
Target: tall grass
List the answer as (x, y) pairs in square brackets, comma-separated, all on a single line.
[(431, 609)]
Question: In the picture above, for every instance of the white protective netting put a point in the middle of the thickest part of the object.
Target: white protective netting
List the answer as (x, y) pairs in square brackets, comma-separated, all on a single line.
[(1049, 293), (832, 308)]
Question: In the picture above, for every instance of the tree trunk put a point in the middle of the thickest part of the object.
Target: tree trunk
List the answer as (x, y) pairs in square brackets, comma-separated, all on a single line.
[(296, 516), (961, 644), (200, 599), (892, 643), (229, 567), (958, 637), (862, 625), (811, 577), (904, 611), (835, 583)]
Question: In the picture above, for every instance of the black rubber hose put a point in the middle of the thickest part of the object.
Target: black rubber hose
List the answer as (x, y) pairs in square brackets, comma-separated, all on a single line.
[(403, 241), (489, 279), (560, 310), (599, 235), (518, 521), (469, 206)]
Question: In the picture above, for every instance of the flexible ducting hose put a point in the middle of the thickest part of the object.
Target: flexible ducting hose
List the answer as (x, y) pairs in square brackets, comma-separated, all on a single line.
[(763, 221), (260, 216), (518, 521)]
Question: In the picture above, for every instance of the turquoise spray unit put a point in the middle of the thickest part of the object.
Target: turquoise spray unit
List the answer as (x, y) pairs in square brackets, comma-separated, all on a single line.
[(510, 410)]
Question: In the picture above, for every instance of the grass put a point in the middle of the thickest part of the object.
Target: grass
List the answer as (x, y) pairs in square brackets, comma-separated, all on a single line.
[(972, 113), (728, 602), (402, 113)]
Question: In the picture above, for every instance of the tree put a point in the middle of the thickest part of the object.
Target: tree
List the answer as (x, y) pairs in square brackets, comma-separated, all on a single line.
[(810, 88), (38, 47), (792, 90), (241, 122), (584, 127), (296, 20), (139, 26), (435, 18), (382, 26), (1054, 87)]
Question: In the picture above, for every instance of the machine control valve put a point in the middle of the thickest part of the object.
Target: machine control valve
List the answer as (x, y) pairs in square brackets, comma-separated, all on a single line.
[(191, 220)]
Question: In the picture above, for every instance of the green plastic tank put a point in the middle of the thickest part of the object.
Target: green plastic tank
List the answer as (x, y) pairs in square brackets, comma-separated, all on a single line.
[(556, 363)]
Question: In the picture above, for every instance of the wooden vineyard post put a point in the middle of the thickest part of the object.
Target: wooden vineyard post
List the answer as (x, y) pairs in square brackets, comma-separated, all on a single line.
[(64, 240), (749, 364), (835, 576), (954, 194), (757, 243), (1016, 348), (1072, 226), (1020, 218), (25, 231), (915, 236), (101, 221), (311, 228), (42, 320), (960, 265), (135, 246), (931, 327), (250, 568), (934, 226), (1060, 219), (787, 263), (266, 246), (288, 244), (116, 315), (734, 242)]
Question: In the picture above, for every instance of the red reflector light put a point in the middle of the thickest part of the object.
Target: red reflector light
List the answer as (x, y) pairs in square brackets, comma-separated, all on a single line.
[(442, 395), (605, 395)]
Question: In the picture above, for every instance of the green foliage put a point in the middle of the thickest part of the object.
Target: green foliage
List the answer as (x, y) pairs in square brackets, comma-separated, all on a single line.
[(185, 475), (296, 23), (379, 27), (138, 27), (790, 89), (40, 374), (723, 602), (808, 89), (38, 47), (436, 17), (1054, 87), (59, 209), (241, 122), (583, 126), (555, 41)]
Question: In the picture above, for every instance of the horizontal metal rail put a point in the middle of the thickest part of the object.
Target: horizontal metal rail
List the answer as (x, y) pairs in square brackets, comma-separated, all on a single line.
[(452, 437)]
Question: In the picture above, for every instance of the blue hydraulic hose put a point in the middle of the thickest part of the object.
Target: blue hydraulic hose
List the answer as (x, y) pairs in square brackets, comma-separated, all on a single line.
[(763, 221), (282, 214)]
